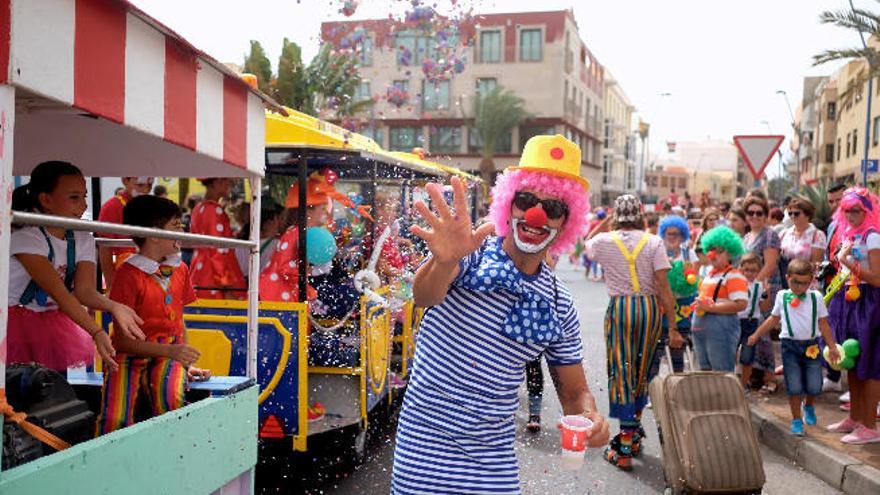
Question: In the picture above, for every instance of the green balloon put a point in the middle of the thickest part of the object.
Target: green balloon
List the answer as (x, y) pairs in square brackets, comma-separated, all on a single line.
[(851, 348), (847, 363)]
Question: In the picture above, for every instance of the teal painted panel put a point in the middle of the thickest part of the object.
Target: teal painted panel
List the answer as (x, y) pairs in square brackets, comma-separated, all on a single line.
[(194, 451)]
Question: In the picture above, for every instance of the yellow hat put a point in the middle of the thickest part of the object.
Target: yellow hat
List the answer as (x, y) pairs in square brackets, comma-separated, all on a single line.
[(553, 155)]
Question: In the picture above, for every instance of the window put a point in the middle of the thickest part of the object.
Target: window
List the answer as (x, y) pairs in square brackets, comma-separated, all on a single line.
[(832, 110), (875, 132), (435, 96), (607, 133), (366, 54), (855, 141), (530, 45), (527, 132), (374, 133), (664, 181), (475, 142), (413, 49), (838, 149), (490, 46), (404, 138), (829, 153), (445, 139), (606, 170), (847, 145), (682, 182), (401, 84), (362, 92), (569, 56), (485, 85)]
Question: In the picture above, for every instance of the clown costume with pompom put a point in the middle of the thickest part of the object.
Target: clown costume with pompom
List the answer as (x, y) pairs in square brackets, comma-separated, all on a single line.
[(636, 267), (493, 306)]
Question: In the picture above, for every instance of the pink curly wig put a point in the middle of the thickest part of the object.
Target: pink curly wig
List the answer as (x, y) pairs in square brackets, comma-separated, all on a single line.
[(569, 191), (855, 197)]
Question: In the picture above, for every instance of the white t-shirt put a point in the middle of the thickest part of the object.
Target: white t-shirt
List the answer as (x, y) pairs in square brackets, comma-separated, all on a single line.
[(753, 310), (30, 240), (862, 245), (801, 317)]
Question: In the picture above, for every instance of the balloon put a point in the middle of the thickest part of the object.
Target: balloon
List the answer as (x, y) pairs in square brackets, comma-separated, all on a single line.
[(847, 363), (691, 279), (835, 366), (851, 348), (320, 245)]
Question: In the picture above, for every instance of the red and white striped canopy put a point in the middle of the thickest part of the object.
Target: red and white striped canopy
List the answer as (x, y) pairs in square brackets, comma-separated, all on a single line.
[(155, 96)]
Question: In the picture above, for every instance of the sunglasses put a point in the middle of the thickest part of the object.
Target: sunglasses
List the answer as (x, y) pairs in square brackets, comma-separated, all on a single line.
[(552, 207), (755, 213), (794, 214)]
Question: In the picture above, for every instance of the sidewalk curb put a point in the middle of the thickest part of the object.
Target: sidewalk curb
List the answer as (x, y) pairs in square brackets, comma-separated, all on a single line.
[(839, 470)]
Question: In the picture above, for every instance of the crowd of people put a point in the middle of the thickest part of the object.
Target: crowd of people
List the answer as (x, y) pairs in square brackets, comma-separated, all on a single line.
[(746, 283)]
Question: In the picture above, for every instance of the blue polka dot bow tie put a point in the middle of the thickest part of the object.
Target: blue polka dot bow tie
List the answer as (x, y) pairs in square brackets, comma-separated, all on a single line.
[(532, 319)]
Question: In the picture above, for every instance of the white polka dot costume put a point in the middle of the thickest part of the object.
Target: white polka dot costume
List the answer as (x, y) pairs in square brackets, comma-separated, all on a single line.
[(214, 269)]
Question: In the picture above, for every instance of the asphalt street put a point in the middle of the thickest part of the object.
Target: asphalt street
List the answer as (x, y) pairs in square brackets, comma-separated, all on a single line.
[(540, 463)]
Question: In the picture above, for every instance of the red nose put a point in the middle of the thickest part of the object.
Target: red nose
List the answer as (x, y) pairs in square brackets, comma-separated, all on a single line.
[(536, 217), (712, 255)]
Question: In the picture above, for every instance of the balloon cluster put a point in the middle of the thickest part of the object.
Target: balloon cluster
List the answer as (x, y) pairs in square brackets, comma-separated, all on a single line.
[(397, 96), (442, 69), (849, 351), (348, 8), (353, 40)]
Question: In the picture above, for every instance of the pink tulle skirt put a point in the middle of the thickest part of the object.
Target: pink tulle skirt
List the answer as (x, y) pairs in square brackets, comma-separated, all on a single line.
[(49, 338)]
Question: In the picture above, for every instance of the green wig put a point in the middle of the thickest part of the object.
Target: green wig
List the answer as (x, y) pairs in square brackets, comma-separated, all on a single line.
[(725, 238)]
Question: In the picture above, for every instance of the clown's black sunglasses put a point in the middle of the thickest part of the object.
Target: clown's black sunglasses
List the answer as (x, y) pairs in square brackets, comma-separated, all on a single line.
[(552, 207)]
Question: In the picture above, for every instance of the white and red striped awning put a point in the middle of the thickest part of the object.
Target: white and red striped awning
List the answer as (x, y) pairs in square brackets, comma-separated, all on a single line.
[(110, 60)]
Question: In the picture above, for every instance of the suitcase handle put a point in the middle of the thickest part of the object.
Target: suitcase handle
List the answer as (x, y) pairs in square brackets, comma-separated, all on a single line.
[(689, 357)]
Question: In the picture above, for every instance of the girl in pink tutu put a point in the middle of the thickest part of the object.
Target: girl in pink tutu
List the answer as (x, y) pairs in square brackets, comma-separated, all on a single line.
[(52, 276)]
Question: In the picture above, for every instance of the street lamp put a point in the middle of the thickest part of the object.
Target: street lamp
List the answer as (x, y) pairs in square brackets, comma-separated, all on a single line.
[(797, 151)]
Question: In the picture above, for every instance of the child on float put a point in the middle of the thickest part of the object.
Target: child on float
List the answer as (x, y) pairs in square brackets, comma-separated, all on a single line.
[(52, 274), (750, 318), (111, 212), (802, 314), (683, 281), (722, 294), (270, 228), (156, 283), (215, 272), (854, 311)]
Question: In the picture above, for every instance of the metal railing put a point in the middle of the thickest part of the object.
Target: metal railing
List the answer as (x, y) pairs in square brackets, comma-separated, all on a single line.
[(40, 220)]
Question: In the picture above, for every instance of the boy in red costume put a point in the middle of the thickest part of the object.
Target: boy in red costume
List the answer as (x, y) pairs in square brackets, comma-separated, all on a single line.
[(216, 272), (155, 283)]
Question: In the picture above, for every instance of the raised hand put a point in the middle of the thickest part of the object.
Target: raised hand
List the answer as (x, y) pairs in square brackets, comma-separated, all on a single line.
[(451, 235)]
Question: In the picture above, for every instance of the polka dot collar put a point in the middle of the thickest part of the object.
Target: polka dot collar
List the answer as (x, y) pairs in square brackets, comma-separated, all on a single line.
[(532, 318)]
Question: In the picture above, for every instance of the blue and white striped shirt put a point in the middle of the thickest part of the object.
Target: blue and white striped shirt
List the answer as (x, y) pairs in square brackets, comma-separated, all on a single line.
[(456, 431)]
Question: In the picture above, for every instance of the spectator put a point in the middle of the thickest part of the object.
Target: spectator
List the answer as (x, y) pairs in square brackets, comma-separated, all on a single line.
[(802, 240), (160, 191), (764, 241), (775, 219)]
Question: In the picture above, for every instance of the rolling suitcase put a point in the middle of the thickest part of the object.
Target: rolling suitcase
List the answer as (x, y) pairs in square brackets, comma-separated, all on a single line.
[(705, 431)]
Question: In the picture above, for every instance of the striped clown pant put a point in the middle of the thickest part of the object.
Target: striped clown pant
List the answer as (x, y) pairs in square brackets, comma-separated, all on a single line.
[(162, 379), (632, 332)]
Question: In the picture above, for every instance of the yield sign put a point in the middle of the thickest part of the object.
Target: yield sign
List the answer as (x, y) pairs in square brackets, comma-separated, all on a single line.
[(757, 151)]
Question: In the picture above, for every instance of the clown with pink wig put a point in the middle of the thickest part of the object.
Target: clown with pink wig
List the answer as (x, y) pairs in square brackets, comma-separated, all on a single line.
[(493, 305), (854, 312), (636, 268)]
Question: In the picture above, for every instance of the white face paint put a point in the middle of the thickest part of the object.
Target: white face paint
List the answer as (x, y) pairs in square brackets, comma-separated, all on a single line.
[(531, 248)]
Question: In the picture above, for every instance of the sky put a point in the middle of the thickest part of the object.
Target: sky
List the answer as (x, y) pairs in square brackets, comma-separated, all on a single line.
[(721, 62)]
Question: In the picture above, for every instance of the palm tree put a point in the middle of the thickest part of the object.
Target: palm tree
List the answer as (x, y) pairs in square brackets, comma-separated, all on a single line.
[(855, 19), (817, 195), (495, 115), (333, 80)]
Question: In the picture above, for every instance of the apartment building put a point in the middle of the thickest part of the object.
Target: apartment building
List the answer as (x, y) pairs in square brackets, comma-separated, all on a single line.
[(540, 56), (618, 153), (825, 135)]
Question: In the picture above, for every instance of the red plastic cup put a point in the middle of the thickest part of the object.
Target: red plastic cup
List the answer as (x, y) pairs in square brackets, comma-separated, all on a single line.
[(574, 430)]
